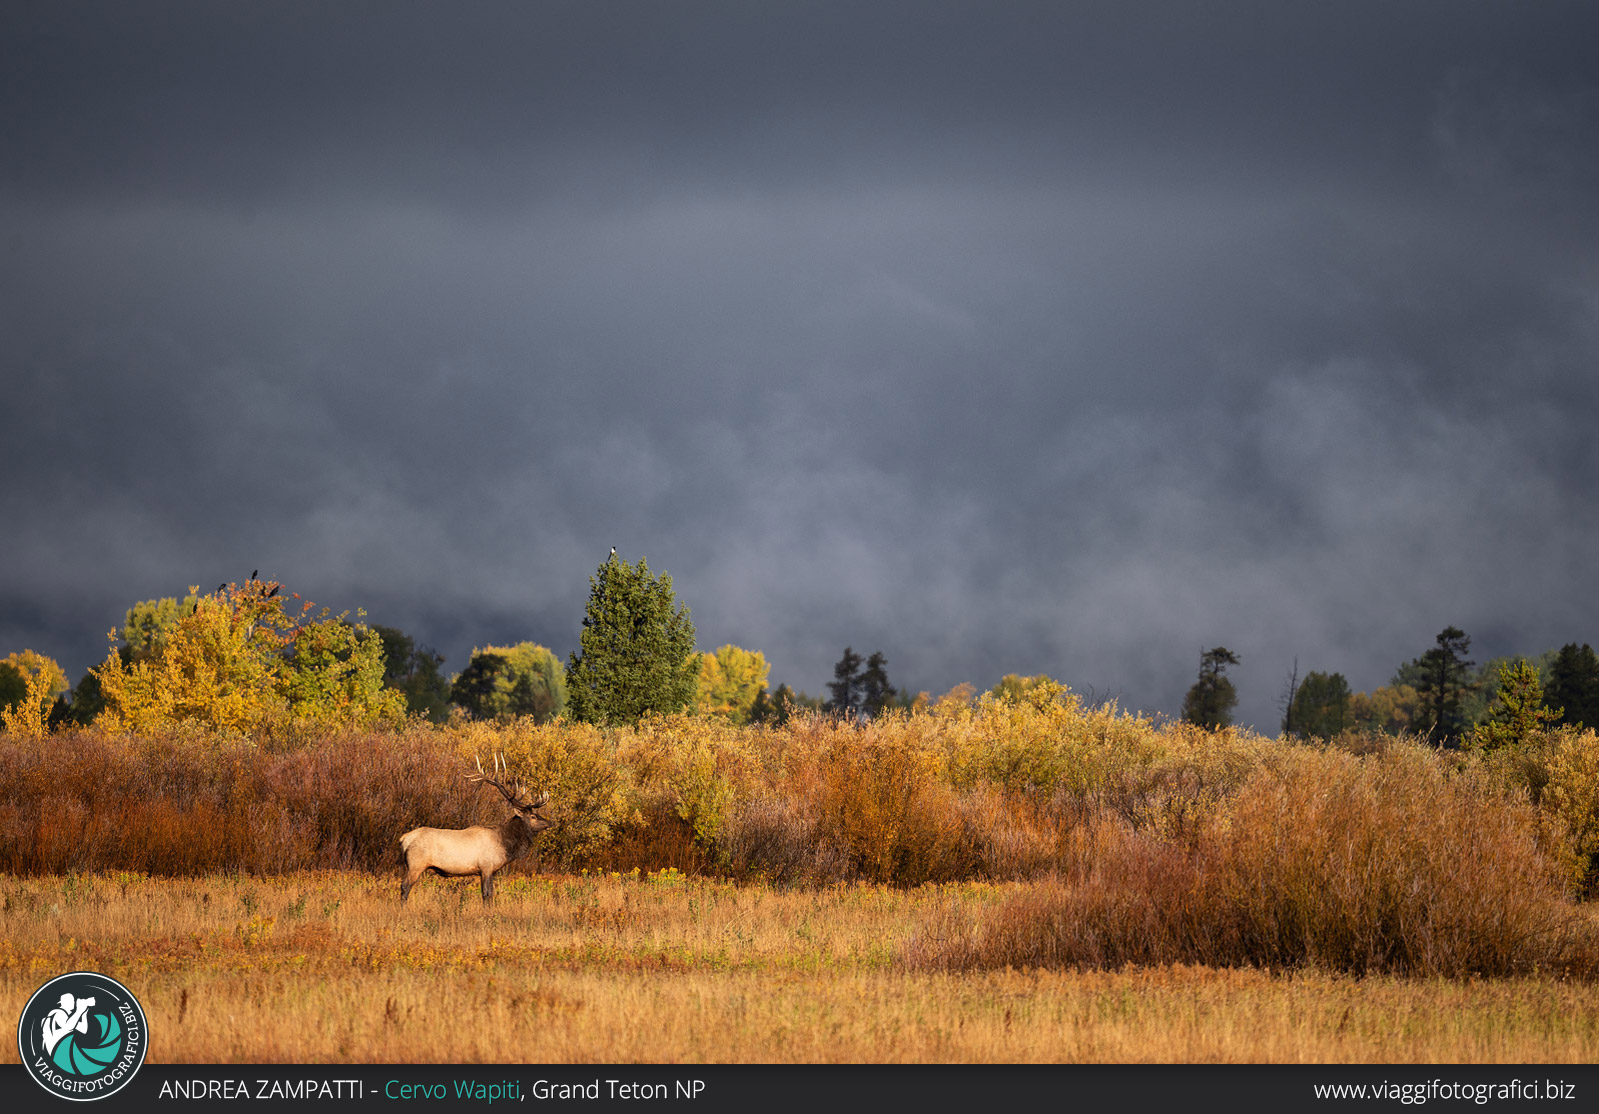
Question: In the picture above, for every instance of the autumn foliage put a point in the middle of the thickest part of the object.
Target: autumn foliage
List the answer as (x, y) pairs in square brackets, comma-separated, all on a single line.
[(38, 681), (244, 660), (1141, 842)]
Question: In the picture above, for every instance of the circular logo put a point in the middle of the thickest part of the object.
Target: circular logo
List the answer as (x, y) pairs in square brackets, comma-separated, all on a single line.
[(82, 1036)]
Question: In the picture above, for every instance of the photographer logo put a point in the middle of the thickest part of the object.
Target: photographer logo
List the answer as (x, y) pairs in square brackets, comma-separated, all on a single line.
[(82, 1036)]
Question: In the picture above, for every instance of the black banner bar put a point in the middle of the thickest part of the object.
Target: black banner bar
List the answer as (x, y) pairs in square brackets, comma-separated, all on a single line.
[(714, 1089)]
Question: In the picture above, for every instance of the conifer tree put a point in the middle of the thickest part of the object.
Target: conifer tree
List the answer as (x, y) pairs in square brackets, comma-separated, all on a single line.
[(763, 710), (783, 704), (1518, 708), (876, 692), (414, 671), (846, 685), (475, 688), (636, 651), (1320, 708), (1440, 677), (1211, 700), (1574, 684)]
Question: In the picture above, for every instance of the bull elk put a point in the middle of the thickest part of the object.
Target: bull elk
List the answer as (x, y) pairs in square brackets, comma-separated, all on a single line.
[(457, 852)]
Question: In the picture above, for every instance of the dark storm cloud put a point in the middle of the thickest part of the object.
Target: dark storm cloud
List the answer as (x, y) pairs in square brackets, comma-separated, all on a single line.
[(1030, 339)]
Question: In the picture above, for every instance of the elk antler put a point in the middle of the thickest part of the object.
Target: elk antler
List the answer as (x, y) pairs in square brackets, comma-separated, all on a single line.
[(516, 793)]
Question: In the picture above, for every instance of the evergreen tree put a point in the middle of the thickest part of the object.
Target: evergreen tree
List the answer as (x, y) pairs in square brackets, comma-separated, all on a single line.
[(1286, 700), (1320, 708), (414, 671), (1211, 700), (1440, 678), (1518, 709), (637, 648), (478, 684), (876, 692), (782, 706), (526, 699), (763, 710), (1574, 684), (427, 693), (398, 647), (846, 685)]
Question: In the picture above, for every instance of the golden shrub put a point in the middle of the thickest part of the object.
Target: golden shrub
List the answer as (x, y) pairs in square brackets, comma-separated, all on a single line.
[(1571, 793)]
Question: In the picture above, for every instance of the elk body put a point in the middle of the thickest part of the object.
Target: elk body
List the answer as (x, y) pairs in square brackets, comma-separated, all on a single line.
[(456, 852)]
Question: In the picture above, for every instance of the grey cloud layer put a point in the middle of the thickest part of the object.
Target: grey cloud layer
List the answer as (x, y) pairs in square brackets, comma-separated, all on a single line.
[(1000, 341)]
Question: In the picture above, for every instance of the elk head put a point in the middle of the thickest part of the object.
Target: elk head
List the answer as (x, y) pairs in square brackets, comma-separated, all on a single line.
[(516, 794)]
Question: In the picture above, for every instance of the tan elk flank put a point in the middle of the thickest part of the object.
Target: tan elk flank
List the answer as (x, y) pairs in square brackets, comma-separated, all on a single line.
[(456, 852)]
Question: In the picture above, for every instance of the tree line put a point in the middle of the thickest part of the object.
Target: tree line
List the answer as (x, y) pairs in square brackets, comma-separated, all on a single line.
[(1440, 694), (247, 656)]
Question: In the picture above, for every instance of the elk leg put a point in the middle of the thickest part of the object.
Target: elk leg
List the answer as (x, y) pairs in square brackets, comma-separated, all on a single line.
[(410, 880), (488, 886)]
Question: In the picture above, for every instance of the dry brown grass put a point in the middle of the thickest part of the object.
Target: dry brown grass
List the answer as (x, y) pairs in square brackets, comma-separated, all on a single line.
[(328, 967)]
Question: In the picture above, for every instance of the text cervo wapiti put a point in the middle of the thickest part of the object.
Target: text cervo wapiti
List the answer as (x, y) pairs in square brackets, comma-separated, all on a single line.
[(456, 852)]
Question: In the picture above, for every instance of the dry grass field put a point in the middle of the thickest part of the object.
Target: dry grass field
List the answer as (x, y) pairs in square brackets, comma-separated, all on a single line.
[(327, 966)]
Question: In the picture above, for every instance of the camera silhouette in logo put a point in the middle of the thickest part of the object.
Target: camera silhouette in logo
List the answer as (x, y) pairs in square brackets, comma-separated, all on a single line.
[(76, 1046)]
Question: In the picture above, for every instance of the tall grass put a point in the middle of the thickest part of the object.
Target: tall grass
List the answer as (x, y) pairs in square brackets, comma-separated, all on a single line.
[(328, 967)]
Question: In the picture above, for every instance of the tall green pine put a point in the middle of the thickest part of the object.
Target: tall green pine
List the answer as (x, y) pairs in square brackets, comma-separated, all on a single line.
[(636, 651)]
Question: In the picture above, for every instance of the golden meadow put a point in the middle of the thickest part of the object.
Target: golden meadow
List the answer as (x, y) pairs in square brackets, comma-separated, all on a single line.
[(996, 880)]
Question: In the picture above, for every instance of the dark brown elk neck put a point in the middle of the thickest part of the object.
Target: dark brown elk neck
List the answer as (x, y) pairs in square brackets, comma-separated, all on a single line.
[(517, 835)]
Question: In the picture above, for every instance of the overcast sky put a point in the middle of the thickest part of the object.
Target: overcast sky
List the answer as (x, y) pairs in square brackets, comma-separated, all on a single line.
[(1038, 337)]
